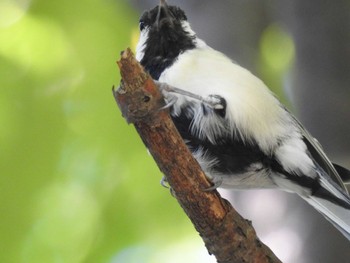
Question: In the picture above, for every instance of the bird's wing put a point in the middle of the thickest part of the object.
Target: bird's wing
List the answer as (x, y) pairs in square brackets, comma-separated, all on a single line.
[(320, 157), (344, 175)]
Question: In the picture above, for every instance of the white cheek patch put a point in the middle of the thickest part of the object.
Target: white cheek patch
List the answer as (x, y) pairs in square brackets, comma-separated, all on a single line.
[(141, 44), (198, 42), (186, 26)]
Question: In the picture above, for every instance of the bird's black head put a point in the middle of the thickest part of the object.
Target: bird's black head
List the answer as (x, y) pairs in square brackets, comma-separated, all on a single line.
[(164, 35)]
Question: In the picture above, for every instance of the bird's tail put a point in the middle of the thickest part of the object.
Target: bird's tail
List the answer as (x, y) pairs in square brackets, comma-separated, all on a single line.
[(334, 204), (338, 216)]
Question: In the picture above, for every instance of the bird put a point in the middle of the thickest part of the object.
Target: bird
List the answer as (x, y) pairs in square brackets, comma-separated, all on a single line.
[(242, 136)]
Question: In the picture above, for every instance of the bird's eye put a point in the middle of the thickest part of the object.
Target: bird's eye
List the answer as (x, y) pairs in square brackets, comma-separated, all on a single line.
[(142, 25)]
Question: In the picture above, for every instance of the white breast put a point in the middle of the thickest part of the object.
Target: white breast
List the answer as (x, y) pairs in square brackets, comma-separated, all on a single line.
[(252, 110)]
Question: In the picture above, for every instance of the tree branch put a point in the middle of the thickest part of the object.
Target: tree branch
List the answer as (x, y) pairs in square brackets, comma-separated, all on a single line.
[(225, 233)]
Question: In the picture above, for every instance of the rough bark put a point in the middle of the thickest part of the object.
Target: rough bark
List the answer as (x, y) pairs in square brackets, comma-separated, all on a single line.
[(226, 234)]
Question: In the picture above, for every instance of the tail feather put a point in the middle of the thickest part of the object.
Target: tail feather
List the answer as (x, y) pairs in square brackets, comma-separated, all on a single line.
[(337, 215), (334, 206)]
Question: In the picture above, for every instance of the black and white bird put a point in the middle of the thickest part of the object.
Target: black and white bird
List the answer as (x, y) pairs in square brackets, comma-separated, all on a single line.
[(237, 130)]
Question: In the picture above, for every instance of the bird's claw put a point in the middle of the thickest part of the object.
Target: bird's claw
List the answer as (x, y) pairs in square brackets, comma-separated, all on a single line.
[(164, 182), (170, 101), (215, 102), (216, 184)]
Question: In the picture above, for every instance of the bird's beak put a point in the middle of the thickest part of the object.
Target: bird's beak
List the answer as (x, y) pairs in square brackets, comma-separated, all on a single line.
[(163, 5)]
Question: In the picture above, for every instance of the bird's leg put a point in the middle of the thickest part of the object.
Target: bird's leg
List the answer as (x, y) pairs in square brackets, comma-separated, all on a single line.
[(213, 101)]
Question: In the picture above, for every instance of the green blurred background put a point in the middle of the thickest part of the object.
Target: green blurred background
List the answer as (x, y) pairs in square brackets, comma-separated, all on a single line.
[(77, 184)]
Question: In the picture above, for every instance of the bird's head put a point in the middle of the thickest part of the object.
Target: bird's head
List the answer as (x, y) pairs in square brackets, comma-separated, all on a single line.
[(164, 34)]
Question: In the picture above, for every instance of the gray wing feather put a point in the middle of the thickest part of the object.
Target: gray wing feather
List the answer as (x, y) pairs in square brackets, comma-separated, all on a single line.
[(320, 157)]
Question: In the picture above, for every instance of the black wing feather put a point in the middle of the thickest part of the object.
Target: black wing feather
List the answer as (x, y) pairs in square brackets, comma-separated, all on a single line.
[(344, 174), (320, 157)]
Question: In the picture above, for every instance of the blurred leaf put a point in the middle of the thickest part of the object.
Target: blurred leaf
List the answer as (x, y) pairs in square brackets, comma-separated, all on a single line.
[(277, 48), (277, 54)]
